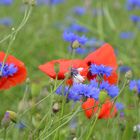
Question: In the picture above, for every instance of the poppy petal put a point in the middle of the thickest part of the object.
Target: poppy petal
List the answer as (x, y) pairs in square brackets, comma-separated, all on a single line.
[(104, 55), (64, 67)]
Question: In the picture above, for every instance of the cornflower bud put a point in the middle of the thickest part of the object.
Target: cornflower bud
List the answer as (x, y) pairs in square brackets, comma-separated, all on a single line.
[(128, 74), (75, 44)]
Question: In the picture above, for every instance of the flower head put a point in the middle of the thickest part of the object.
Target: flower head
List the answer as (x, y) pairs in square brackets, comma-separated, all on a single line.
[(6, 21), (13, 72), (100, 70), (112, 90), (77, 28), (135, 18), (100, 57), (71, 37), (6, 2), (135, 85), (107, 111), (79, 10)]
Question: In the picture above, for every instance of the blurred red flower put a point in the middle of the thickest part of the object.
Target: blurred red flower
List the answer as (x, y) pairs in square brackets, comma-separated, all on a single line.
[(104, 55), (13, 72), (90, 107)]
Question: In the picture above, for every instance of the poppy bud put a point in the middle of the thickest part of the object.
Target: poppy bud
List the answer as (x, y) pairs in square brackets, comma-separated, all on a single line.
[(75, 44), (102, 96)]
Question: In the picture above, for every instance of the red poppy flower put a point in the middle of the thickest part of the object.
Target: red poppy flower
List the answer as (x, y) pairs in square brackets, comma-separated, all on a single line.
[(13, 72), (64, 67), (104, 55), (90, 107)]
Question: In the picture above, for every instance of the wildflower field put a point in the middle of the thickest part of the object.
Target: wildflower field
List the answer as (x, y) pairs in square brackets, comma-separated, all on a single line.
[(69, 70)]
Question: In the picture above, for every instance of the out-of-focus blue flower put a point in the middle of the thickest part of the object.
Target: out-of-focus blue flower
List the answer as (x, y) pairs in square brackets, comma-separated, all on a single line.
[(135, 18), (50, 2), (112, 90), (6, 2), (71, 37), (8, 69), (119, 106), (127, 35), (20, 125), (124, 69), (76, 28), (80, 50), (62, 90), (100, 70), (6, 21), (79, 10), (133, 4), (135, 85)]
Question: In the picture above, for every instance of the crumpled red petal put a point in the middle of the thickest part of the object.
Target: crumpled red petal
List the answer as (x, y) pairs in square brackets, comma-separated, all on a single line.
[(17, 78), (64, 67), (106, 112)]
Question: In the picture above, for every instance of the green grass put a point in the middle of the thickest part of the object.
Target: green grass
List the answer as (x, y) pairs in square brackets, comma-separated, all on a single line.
[(39, 41)]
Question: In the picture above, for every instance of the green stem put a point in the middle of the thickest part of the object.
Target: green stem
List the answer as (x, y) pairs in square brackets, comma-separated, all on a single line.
[(5, 134), (93, 126)]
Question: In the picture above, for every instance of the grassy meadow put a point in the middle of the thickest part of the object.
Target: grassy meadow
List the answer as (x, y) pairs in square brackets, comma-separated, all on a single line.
[(41, 40)]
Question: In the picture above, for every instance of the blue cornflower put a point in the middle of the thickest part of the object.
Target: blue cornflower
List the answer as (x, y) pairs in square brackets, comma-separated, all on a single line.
[(62, 90), (119, 106), (20, 125), (77, 28), (80, 50), (135, 85), (6, 21), (6, 2), (50, 2), (71, 37), (135, 18), (112, 90), (82, 90), (100, 70), (133, 4), (124, 69), (127, 35), (8, 70), (79, 10), (94, 83)]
